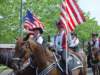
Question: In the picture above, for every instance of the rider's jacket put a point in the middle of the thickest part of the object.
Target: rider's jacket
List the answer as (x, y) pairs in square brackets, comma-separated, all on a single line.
[(74, 43), (60, 41)]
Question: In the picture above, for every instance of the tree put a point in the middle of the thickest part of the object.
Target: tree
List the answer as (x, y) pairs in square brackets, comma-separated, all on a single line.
[(48, 12), (84, 30)]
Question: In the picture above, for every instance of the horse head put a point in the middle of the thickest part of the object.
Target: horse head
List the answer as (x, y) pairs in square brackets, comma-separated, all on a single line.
[(39, 51), (42, 57), (19, 43), (19, 53)]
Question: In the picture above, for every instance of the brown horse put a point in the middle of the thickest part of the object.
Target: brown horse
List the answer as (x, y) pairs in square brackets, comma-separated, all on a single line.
[(10, 59), (83, 59), (96, 61), (43, 59), (18, 61)]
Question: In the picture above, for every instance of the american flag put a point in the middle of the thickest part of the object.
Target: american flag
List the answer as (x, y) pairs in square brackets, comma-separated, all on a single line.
[(32, 21), (71, 15)]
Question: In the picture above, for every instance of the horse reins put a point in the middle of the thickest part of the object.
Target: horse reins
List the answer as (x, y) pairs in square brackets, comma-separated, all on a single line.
[(50, 67)]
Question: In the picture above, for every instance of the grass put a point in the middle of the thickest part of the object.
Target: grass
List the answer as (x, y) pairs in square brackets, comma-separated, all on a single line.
[(2, 68)]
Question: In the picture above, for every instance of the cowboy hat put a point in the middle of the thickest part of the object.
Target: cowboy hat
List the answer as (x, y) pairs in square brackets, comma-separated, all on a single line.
[(38, 28)]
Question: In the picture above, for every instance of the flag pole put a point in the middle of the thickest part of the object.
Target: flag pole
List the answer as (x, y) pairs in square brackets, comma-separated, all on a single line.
[(21, 18), (66, 57)]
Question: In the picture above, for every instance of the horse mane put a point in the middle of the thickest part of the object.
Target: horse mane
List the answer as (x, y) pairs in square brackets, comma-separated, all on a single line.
[(41, 51), (19, 44)]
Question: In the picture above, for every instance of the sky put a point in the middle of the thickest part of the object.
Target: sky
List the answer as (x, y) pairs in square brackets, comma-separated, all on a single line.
[(93, 6)]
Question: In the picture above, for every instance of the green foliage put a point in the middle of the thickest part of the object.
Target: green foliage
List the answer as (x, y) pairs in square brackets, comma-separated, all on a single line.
[(9, 25), (48, 12), (84, 30)]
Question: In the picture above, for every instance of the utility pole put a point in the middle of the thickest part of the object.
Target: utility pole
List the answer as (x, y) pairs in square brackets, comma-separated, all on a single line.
[(21, 18)]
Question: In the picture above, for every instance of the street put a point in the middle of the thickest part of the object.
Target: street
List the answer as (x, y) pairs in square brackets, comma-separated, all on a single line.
[(90, 71), (8, 71)]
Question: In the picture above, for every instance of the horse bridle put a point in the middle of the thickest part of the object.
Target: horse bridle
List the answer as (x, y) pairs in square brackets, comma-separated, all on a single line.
[(31, 55), (19, 59)]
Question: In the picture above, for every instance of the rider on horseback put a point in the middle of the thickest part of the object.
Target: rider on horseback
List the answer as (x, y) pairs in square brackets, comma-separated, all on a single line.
[(94, 40), (93, 43), (33, 27), (74, 52), (34, 33), (74, 42), (60, 40), (59, 43), (73, 45)]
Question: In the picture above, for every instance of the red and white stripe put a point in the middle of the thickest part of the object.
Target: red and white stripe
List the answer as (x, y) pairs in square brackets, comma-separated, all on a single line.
[(36, 24), (71, 15)]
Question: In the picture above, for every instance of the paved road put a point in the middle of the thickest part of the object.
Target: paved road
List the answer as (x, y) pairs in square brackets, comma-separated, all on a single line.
[(8, 71), (90, 71)]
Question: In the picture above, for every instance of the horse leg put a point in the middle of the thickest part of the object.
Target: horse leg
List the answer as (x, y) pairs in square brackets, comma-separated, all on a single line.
[(84, 68), (83, 59), (99, 69), (94, 69), (83, 71), (76, 72)]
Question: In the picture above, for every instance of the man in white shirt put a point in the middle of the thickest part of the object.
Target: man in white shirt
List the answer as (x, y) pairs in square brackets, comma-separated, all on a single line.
[(34, 33), (74, 45), (59, 41), (94, 42), (37, 35), (74, 41)]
